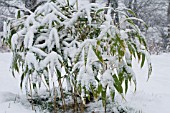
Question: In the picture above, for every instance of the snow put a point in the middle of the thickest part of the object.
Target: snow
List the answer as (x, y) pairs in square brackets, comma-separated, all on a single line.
[(9, 89), (28, 40), (53, 59), (107, 79), (5, 29), (54, 34), (151, 96), (31, 60)]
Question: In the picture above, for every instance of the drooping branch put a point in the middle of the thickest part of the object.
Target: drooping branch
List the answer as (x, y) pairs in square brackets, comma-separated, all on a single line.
[(37, 5), (168, 21), (114, 5), (29, 4), (92, 1), (8, 5), (5, 4)]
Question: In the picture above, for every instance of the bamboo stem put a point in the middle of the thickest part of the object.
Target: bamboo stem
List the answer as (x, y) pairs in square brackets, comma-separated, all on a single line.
[(75, 97), (62, 95), (55, 104), (82, 107), (31, 94), (77, 4)]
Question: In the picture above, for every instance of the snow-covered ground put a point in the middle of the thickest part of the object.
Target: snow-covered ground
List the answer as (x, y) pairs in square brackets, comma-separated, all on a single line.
[(9, 89), (152, 96)]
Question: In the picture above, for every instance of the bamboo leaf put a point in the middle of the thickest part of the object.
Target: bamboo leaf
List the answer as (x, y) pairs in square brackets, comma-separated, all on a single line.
[(99, 88), (104, 97), (100, 10), (98, 54), (117, 84), (126, 86), (18, 14), (112, 93), (143, 60), (131, 12), (149, 70)]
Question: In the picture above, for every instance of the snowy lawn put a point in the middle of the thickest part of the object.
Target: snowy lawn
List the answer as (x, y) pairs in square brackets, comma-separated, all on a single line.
[(151, 97), (9, 89)]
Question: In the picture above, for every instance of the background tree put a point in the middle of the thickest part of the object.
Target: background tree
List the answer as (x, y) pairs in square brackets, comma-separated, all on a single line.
[(8, 9), (153, 12), (169, 21), (30, 3), (92, 1)]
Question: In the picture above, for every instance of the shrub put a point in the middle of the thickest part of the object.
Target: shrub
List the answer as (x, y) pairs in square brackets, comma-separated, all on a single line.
[(83, 47)]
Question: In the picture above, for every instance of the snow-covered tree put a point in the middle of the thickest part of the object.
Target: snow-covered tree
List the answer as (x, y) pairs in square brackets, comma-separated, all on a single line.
[(168, 21), (30, 3), (83, 47), (153, 12), (92, 1)]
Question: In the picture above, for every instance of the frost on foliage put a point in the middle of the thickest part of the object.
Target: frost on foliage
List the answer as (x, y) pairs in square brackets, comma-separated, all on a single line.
[(28, 40), (86, 44), (107, 79), (86, 74), (31, 61), (5, 29), (86, 77), (16, 38), (53, 37), (38, 51)]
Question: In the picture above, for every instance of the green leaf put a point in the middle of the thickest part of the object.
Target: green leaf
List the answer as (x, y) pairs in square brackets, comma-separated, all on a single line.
[(131, 49), (126, 86), (22, 78), (104, 97), (130, 22), (139, 56), (146, 26), (15, 66), (88, 97), (121, 77), (13, 74), (13, 31), (58, 74), (83, 19), (14, 63), (96, 79), (100, 88), (119, 88), (100, 10), (143, 60), (98, 42), (117, 84), (112, 94), (77, 57), (34, 85), (131, 12), (41, 27), (98, 54), (144, 42), (18, 14)]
